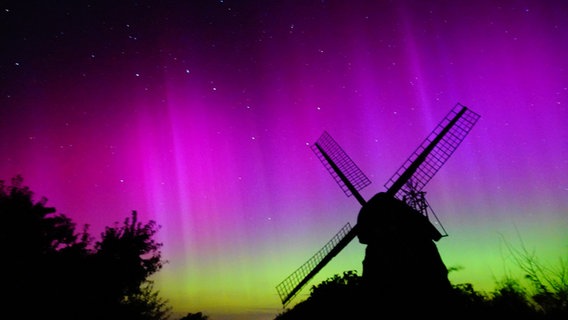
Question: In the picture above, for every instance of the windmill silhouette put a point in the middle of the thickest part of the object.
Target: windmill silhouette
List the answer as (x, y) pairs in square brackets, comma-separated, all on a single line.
[(401, 209)]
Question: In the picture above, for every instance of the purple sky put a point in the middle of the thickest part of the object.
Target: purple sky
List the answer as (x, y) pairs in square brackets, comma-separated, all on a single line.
[(198, 114)]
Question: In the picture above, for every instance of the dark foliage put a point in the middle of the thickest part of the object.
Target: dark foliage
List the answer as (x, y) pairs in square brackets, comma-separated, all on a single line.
[(195, 316), (336, 298), (50, 271), (343, 297)]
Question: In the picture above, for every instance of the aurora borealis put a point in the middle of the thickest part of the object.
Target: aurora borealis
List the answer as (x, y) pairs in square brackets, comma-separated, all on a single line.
[(199, 115)]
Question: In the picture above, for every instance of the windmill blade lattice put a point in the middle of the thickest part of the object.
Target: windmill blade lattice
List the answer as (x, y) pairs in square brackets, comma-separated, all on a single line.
[(290, 286), (434, 151), (326, 145)]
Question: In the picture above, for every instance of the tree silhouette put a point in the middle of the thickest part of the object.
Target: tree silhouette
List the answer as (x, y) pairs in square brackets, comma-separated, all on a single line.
[(510, 300), (51, 271), (194, 316), (341, 297), (123, 260), (36, 242), (127, 255)]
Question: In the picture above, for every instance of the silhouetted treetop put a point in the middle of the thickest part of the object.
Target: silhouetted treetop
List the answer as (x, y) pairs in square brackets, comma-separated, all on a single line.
[(50, 271), (129, 252), (32, 228)]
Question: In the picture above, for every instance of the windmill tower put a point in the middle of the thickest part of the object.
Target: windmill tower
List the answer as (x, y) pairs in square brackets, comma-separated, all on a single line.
[(398, 226)]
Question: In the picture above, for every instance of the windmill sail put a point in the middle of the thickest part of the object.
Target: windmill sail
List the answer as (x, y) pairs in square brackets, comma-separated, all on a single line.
[(343, 170), (434, 151), (288, 288), (350, 179)]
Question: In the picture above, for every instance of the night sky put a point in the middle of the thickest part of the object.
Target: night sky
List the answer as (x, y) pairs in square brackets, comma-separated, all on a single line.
[(200, 114)]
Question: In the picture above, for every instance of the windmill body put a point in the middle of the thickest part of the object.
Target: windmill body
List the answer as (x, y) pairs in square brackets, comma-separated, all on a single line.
[(401, 257), (395, 224)]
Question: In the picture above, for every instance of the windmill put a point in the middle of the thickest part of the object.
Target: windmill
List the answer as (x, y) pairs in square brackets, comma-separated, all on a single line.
[(403, 200)]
